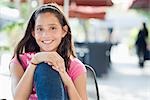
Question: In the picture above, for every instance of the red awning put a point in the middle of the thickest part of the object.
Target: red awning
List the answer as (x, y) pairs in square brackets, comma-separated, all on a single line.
[(80, 2), (84, 2), (141, 4), (86, 12), (84, 8)]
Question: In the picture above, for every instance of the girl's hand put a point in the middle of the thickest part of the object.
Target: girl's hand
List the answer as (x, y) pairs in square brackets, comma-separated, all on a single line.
[(64, 75), (38, 57), (55, 60), (58, 64), (49, 57)]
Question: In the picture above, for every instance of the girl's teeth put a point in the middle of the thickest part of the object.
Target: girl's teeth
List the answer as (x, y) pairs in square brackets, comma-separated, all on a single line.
[(47, 41)]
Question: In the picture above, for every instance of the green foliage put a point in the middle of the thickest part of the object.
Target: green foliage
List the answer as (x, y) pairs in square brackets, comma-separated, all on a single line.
[(6, 3), (24, 10), (132, 38), (145, 13), (13, 31), (4, 48), (13, 26)]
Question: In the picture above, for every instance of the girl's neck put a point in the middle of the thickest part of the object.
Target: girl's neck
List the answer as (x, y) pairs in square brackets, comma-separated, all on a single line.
[(71, 57)]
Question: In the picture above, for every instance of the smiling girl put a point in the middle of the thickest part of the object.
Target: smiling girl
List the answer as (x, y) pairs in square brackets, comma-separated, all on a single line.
[(44, 65)]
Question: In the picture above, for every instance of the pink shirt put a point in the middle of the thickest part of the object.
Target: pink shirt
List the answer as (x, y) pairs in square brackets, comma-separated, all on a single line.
[(76, 68)]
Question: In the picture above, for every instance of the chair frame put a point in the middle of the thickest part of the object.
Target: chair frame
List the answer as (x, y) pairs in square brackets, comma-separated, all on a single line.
[(95, 80)]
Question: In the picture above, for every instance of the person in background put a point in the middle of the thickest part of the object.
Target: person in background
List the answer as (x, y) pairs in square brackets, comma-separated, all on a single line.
[(110, 31), (141, 44), (44, 65)]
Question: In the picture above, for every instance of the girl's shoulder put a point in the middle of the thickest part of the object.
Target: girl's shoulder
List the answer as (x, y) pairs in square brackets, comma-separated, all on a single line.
[(76, 68), (24, 57), (75, 61)]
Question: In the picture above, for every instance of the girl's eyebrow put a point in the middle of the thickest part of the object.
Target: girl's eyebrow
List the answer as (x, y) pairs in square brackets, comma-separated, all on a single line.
[(38, 25), (52, 24), (45, 25)]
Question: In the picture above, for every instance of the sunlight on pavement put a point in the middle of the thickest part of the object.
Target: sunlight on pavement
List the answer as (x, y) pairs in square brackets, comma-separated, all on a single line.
[(125, 80), (5, 89)]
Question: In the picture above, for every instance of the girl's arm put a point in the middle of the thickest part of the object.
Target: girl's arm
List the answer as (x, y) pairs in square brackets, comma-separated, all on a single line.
[(21, 81), (79, 85), (76, 90)]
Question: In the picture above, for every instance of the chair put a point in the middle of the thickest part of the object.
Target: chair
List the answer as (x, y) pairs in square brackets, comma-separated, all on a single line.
[(91, 80)]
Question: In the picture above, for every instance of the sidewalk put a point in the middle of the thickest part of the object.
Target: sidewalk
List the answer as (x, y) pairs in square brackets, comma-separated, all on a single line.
[(125, 81), (5, 87)]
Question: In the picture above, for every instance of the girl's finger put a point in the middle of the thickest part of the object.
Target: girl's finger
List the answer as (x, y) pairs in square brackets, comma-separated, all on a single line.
[(55, 68), (61, 70), (49, 63), (45, 62)]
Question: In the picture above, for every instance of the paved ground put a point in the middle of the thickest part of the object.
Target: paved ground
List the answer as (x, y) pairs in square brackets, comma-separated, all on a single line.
[(124, 82), (5, 92)]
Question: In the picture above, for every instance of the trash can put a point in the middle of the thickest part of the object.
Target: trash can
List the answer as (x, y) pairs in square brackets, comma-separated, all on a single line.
[(99, 57)]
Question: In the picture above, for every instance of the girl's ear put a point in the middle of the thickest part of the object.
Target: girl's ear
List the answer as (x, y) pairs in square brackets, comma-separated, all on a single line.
[(65, 30), (33, 34)]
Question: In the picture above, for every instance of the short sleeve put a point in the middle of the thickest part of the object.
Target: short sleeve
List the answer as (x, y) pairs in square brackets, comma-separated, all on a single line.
[(14, 60), (25, 58), (76, 68)]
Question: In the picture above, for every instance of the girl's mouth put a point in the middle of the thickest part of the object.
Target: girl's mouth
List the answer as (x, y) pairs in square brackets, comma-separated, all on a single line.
[(47, 42)]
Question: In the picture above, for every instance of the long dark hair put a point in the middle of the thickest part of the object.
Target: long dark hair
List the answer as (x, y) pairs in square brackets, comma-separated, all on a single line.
[(28, 42)]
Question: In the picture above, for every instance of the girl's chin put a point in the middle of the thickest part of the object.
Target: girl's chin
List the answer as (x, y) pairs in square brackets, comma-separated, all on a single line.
[(47, 50)]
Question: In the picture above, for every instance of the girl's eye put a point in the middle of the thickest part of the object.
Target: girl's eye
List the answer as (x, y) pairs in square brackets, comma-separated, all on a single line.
[(53, 28), (39, 29)]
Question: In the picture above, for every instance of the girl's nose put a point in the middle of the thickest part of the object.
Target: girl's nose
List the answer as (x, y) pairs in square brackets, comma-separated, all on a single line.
[(46, 33)]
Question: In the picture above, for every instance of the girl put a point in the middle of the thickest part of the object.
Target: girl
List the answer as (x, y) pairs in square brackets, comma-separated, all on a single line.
[(44, 65)]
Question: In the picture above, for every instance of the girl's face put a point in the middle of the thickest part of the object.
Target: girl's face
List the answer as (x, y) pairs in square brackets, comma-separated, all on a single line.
[(48, 32)]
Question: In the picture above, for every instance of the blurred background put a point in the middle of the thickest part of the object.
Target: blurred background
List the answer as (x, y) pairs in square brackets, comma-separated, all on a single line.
[(105, 33)]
